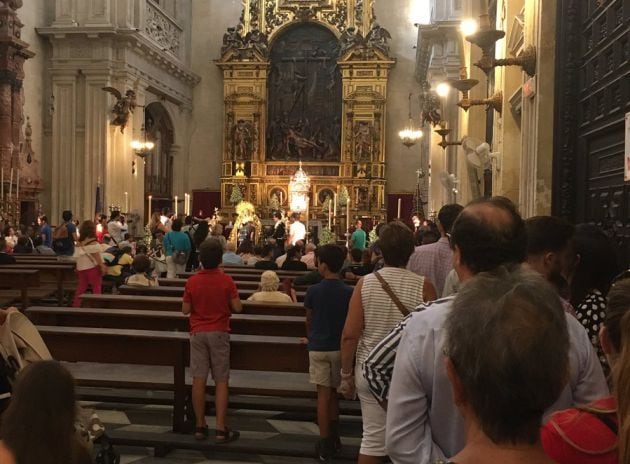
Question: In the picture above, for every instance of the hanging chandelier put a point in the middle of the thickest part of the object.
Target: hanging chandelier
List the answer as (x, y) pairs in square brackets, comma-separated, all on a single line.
[(410, 135), (299, 188)]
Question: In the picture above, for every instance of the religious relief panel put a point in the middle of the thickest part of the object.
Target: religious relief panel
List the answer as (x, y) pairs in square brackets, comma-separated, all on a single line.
[(305, 96)]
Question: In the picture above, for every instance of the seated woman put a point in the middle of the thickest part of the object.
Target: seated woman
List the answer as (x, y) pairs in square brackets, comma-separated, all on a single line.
[(293, 261), (142, 273), (589, 434), (38, 425), (507, 358), (246, 252), (269, 293)]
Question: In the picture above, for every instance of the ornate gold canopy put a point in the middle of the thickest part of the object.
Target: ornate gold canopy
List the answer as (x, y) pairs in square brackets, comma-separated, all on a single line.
[(306, 81)]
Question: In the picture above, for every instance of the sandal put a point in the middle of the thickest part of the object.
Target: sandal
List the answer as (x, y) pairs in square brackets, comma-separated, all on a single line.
[(201, 433), (226, 436)]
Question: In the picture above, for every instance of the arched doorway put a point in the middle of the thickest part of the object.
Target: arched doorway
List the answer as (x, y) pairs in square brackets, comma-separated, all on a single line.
[(158, 170), (305, 96)]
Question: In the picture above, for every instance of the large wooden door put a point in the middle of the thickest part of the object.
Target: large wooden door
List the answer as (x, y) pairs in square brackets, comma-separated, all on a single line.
[(592, 98)]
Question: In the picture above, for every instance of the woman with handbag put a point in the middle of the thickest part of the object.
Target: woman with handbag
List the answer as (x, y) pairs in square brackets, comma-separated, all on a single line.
[(38, 427), (379, 302), (89, 264), (177, 249)]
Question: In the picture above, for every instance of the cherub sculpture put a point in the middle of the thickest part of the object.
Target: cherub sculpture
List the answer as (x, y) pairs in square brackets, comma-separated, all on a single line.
[(123, 108), (378, 37), (350, 39)]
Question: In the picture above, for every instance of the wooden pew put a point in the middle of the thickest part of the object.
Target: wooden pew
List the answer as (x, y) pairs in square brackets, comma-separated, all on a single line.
[(37, 256), (179, 292), (20, 279), (145, 347), (244, 285), (61, 275), (242, 324), (154, 303)]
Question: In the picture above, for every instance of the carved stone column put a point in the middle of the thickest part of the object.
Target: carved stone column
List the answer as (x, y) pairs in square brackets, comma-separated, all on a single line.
[(13, 53)]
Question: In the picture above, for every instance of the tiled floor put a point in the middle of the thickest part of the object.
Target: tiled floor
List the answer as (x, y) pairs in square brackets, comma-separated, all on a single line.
[(282, 427)]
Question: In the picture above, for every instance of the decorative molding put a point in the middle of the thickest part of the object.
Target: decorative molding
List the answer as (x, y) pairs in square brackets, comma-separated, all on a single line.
[(516, 39), (160, 28)]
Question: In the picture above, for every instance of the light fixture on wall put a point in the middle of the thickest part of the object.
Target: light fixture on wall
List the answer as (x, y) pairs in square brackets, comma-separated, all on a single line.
[(465, 85), (410, 135), (486, 38)]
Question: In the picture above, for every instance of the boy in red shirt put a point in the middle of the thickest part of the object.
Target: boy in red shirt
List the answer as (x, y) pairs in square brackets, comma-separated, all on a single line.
[(210, 297)]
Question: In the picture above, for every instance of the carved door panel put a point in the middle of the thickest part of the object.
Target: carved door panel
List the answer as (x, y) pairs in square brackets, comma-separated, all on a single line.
[(592, 98)]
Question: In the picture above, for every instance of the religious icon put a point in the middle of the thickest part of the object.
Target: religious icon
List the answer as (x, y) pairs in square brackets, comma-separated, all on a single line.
[(242, 137), (363, 141)]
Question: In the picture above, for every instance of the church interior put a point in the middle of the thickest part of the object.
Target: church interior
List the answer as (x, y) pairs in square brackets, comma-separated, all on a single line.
[(135, 132)]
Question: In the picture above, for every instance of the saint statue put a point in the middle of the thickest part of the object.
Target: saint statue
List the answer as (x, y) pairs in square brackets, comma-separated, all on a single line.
[(242, 136)]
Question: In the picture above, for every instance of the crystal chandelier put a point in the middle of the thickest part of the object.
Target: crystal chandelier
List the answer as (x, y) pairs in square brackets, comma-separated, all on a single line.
[(410, 135), (299, 188)]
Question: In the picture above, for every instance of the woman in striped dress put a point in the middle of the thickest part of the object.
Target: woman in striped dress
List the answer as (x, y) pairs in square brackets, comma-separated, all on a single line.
[(373, 313)]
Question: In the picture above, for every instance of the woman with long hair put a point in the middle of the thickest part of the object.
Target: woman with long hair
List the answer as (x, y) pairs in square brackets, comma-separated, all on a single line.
[(89, 263), (155, 225), (600, 432), (38, 425)]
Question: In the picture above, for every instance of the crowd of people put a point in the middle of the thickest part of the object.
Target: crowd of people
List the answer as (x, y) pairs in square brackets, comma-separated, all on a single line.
[(487, 338)]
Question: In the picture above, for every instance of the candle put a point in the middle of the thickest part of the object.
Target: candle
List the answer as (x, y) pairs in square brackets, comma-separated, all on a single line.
[(329, 217), (150, 210), (17, 189), (335, 207), (399, 206), (11, 184), (175, 205), (2, 185), (126, 202), (307, 208)]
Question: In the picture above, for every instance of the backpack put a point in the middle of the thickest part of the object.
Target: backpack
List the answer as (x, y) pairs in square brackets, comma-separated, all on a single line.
[(20, 345), (62, 242)]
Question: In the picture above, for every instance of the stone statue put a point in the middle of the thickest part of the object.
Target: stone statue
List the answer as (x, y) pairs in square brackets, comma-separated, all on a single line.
[(232, 39), (13, 4), (377, 38), (242, 137), (257, 40), (350, 39), (123, 108)]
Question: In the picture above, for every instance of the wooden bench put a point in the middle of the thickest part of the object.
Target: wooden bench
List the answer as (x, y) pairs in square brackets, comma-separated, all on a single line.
[(179, 292), (243, 324), (181, 283), (58, 274), (154, 303), (20, 279), (159, 348)]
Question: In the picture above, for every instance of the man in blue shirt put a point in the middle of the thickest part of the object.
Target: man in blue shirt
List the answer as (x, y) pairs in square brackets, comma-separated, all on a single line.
[(326, 306), (45, 231), (65, 235)]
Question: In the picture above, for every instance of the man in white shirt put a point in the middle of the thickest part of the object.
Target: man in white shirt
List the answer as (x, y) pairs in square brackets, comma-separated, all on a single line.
[(423, 422), (297, 230), (115, 227)]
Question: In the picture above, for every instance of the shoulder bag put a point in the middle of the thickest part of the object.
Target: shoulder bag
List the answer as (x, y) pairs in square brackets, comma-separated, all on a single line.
[(401, 307)]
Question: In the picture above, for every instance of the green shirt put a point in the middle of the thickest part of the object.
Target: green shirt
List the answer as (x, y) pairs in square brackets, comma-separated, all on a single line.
[(358, 239)]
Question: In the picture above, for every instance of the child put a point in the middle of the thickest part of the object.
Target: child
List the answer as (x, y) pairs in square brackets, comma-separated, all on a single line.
[(141, 267), (209, 297), (326, 306)]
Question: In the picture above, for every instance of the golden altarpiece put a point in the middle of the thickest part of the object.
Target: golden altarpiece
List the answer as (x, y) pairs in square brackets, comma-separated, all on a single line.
[(306, 81)]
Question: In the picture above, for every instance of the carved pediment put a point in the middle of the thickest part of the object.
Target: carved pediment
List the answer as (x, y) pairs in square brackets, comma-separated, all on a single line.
[(243, 54), (364, 53)]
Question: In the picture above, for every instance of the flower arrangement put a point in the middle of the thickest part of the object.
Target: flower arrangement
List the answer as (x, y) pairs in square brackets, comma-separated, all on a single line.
[(342, 198), (237, 195), (326, 236), (372, 236)]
